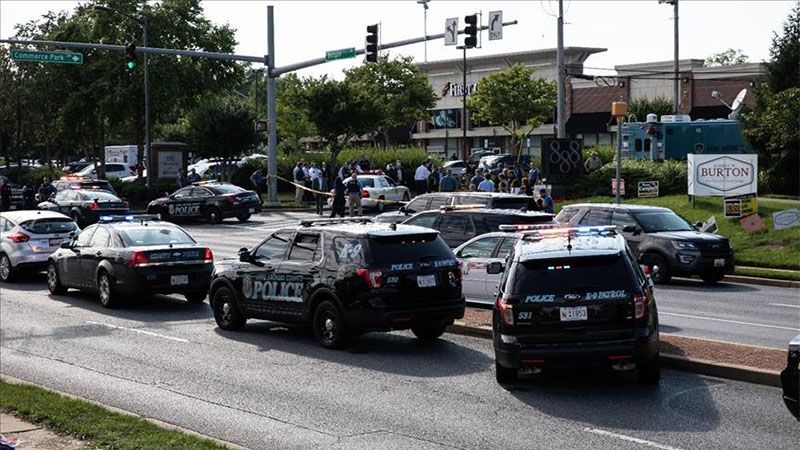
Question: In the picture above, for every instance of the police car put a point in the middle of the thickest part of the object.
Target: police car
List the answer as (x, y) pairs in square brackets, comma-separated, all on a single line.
[(342, 277), (378, 191), (131, 255), (574, 297), (85, 206), (212, 201)]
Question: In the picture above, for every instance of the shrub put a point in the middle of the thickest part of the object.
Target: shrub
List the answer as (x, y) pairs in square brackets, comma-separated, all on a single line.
[(671, 176), (137, 194), (33, 177)]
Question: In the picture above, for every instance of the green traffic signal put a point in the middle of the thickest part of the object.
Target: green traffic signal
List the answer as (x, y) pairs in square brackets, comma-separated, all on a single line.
[(131, 65)]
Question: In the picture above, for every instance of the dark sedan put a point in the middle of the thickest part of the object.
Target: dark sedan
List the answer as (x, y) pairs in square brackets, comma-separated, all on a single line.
[(131, 256), (85, 206), (790, 378), (214, 202)]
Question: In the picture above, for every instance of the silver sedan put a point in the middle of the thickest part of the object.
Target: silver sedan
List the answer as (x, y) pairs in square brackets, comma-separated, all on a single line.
[(29, 237)]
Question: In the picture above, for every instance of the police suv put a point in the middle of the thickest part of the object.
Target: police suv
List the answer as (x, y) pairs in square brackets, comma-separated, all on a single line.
[(343, 277), (212, 201), (574, 297)]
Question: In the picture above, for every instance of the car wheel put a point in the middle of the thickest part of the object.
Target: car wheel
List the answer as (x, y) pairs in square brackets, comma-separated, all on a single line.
[(505, 375), (381, 206), (214, 215), (243, 217), (649, 372), (54, 281), (329, 327), (712, 277), (226, 311), (6, 270), (105, 288), (428, 331), (406, 197), (195, 297), (660, 272)]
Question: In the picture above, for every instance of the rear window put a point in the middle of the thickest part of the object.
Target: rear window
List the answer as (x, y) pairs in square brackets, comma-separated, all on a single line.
[(367, 182), (494, 222), (106, 186), (150, 235), (577, 275), (101, 196), (386, 250), (512, 203), (227, 189), (50, 225), (566, 215)]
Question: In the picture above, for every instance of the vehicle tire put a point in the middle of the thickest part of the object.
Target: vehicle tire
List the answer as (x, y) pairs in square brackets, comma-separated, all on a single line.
[(6, 270), (428, 331), (226, 311), (54, 281), (214, 215), (105, 289), (329, 326), (243, 217), (381, 206), (406, 197), (195, 297), (649, 372), (660, 270), (712, 277), (505, 375)]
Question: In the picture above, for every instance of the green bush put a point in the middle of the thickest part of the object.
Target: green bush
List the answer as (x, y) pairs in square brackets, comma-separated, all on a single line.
[(671, 176), (137, 194), (33, 177)]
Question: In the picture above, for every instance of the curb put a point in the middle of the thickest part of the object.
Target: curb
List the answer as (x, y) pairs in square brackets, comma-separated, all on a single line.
[(155, 422), (720, 370), (743, 279)]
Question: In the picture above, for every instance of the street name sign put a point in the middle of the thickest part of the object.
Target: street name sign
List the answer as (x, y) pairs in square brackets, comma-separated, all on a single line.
[(451, 31), (46, 57), (495, 25), (342, 53)]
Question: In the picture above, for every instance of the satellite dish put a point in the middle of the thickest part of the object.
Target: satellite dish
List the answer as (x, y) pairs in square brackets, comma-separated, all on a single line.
[(738, 104)]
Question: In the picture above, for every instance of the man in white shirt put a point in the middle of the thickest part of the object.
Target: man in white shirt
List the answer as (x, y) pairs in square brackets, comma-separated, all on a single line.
[(421, 178), (399, 169), (313, 172)]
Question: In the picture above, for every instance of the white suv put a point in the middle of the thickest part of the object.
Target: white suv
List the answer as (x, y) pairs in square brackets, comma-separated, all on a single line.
[(28, 239), (113, 171)]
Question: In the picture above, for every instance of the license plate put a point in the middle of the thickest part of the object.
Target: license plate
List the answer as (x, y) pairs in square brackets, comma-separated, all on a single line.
[(54, 242), (179, 279), (252, 210), (719, 262), (426, 281), (573, 313)]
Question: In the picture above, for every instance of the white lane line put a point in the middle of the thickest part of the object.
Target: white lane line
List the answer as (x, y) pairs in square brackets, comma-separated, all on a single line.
[(784, 304), (630, 439), (729, 321), (149, 333)]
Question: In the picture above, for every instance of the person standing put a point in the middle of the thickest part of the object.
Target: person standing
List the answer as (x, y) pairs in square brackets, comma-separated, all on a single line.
[(257, 179), (320, 185), (547, 201), (338, 198), (390, 171), (5, 194), (593, 163), (476, 180), (526, 189), (533, 175), (448, 183), (364, 164), (515, 187), (193, 177), (487, 185), (46, 189), (354, 188), (502, 184), (421, 176), (344, 171), (398, 167), (299, 178)]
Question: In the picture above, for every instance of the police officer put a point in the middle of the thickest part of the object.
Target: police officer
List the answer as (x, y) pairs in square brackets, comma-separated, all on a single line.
[(353, 189), (338, 198)]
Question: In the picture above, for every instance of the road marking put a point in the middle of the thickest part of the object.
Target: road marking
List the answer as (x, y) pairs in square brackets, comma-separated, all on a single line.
[(784, 304), (630, 439), (729, 321), (149, 333)]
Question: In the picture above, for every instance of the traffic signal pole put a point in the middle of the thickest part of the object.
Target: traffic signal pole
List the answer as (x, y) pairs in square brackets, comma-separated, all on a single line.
[(272, 153)]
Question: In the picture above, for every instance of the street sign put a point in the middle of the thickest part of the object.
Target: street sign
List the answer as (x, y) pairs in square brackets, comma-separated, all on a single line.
[(46, 57), (495, 25), (614, 186), (451, 31), (342, 53)]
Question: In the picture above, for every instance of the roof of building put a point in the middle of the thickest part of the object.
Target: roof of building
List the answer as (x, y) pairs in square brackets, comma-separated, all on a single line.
[(572, 54)]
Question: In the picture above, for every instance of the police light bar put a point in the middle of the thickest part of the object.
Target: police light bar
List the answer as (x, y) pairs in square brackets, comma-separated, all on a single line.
[(527, 227), (606, 230), (127, 218), (458, 207), (308, 223), (205, 182)]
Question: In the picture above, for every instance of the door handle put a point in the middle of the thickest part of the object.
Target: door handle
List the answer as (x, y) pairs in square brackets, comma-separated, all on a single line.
[(99, 253), (314, 270)]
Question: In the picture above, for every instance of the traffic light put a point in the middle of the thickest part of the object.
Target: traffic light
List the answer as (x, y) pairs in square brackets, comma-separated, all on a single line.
[(130, 56), (471, 31), (371, 52)]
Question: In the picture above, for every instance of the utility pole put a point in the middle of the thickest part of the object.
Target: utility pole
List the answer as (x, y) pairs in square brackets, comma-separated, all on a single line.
[(465, 146), (561, 105), (676, 73), (424, 4), (272, 154), (147, 149)]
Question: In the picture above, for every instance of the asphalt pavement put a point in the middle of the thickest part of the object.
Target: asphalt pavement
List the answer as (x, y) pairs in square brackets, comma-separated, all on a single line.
[(272, 386)]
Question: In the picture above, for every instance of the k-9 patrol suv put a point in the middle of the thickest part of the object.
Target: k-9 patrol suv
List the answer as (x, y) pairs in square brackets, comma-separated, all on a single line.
[(342, 277), (574, 297)]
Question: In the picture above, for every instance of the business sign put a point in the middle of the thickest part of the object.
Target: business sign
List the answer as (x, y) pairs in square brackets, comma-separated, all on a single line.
[(451, 31), (647, 189), (457, 89), (722, 175), (785, 219), (732, 207), (169, 164), (749, 204), (561, 159), (621, 186), (495, 25), (753, 224), (740, 205)]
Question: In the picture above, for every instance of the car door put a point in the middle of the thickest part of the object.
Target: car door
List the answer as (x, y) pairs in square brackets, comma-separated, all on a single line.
[(596, 217), (179, 205), (256, 279), (500, 255), (91, 256), (298, 273), (474, 258), (198, 200), (622, 219), (456, 229), (68, 260)]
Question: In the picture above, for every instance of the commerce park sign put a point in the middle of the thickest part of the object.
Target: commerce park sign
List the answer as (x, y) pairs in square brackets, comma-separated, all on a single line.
[(722, 175)]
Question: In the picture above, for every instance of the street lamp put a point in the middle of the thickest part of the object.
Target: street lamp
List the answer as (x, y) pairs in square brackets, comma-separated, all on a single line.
[(424, 4), (141, 20)]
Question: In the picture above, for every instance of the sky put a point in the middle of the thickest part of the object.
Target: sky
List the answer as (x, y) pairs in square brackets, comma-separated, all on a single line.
[(633, 31)]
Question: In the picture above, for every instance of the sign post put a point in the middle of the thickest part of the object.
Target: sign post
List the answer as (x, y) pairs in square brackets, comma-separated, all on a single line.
[(46, 57)]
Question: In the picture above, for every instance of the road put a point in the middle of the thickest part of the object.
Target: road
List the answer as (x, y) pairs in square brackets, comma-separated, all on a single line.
[(744, 314), (271, 386)]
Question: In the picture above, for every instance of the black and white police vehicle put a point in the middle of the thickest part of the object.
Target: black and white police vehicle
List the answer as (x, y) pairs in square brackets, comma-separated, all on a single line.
[(211, 201), (573, 297), (123, 256), (343, 277)]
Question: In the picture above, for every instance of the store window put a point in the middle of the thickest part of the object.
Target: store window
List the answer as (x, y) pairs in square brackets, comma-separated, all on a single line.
[(445, 118)]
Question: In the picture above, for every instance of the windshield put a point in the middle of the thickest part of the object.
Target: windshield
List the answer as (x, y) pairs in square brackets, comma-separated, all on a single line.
[(655, 221), (573, 275), (227, 189), (149, 235), (50, 225)]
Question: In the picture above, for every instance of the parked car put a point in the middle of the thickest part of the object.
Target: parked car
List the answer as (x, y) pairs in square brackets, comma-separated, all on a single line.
[(659, 238), (460, 224), (790, 378), (477, 253), (85, 206), (207, 200), (113, 171), (458, 167), (72, 182), (435, 200), (27, 238), (378, 190)]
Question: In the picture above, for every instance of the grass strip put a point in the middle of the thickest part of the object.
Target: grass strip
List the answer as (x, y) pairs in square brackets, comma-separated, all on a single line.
[(92, 423), (766, 273)]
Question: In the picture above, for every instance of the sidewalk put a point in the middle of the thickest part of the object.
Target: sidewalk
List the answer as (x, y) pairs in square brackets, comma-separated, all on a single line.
[(34, 437)]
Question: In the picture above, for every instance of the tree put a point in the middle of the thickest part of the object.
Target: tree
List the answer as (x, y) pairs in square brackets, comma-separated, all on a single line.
[(783, 69), (726, 58), (515, 100), (643, 106), (291, 108), (403, 93), (339, 111), (222, 127)]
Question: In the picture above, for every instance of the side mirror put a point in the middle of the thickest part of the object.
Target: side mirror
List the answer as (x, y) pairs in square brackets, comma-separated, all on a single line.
[(244, 255), (698, 224), (493, 268), (67, 244), (630, 229)]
